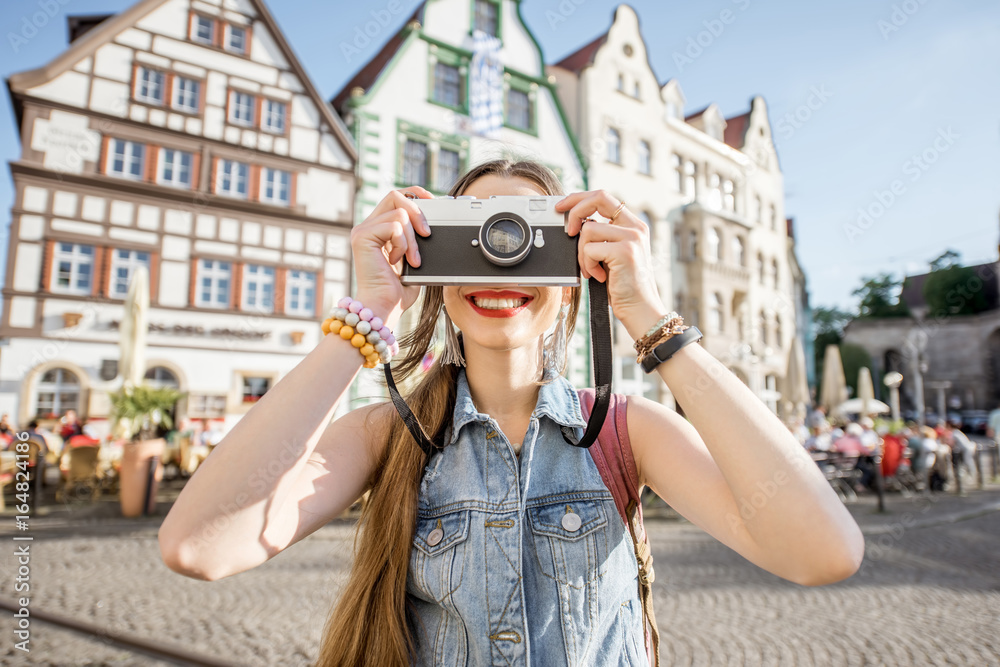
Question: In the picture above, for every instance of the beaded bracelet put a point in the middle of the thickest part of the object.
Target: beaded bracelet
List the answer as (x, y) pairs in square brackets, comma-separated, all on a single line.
[(352, 321)]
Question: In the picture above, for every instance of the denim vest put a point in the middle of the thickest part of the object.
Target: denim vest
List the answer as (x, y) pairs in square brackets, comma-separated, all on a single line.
[(521, 560)]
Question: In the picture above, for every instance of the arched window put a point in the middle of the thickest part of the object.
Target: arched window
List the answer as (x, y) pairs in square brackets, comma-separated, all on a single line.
[(762, 325), (772, 213), (715, 322), (692, 245), (714, 192), (645, 157), (777, 331), (676, 247), (614, 140), (729, 195), (758, 209), (774, 272), (621, 82), (158, 376), (690, 181), (739, 250), (761, 270), (58, 391), (713, 245)]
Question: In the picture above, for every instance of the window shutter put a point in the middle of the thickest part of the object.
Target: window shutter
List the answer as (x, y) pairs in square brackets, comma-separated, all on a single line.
[(154, 277), (220, 33), (236, 295), (105, 281), (102, 165), (258, 107), (97, 270), (196, 170), (212, 185), (150, 168), (192, 288), (248, 40), (279, 290), (292, 180), (253, 187), (50, 249)]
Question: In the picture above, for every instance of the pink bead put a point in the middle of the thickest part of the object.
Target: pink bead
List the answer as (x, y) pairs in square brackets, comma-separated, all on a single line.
[(355, 306), (345, 302), (394, 348), (377, 323), (391, 340), (385, 333), (366, 314)]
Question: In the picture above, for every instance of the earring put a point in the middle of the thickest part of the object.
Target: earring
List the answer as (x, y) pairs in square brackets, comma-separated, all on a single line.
[(555, 348), (452, 346)]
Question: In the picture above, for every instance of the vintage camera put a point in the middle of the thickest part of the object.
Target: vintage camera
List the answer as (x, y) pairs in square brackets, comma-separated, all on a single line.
[(503, 240)]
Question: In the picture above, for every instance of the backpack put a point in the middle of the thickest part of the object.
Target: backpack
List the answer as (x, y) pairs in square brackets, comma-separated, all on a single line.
[(612, 453)]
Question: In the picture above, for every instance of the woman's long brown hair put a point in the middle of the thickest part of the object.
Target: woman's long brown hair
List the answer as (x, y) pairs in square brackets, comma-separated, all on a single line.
[(370, 624)]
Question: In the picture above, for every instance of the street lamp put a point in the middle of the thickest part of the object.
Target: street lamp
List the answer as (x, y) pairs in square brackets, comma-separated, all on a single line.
[(892, 380)]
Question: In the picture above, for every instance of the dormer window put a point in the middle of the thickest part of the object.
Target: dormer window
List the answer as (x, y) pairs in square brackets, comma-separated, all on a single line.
[(203, 29), (236, 39), (149, 86)]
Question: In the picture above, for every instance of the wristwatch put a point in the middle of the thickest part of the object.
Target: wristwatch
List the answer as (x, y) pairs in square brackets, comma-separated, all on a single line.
[(669, 348)]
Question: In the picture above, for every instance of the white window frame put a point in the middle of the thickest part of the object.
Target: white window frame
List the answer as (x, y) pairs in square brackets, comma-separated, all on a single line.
[(677, 164), (228, 43), (76, 259), (59, 388), (219, 274), (129, 263), (645, 157), (295, 300), (729, 195), (258, 280), (272, 187), (183, 95), (196, 24), (148, 81), (739, 251), (714, 192), (235, 96), (176, 170), (690, 181), (273, 116), (713, 244), (716, 314), (613, 137), (132, 152), (229, 171)]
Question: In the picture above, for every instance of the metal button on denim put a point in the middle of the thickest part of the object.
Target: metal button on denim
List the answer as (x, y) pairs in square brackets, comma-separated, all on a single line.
[(435, 537), (571, 521)]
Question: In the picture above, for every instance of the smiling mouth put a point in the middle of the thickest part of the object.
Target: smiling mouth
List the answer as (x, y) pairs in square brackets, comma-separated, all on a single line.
[(498, 304)]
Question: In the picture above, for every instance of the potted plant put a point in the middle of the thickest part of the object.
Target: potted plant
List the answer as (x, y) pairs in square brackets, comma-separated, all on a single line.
[(141, 413)]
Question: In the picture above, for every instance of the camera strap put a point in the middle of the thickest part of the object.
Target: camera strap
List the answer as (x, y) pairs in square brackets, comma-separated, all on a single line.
[(600, 331)]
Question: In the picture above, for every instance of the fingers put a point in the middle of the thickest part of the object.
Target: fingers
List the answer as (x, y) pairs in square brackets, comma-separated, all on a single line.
[(593, 254), (393, 233), (582, 205), (398, 200)]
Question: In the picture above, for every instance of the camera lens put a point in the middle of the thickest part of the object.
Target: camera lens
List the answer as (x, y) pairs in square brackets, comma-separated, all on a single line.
[(505, 239)]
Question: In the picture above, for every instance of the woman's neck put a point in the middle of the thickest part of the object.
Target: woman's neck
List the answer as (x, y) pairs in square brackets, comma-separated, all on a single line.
[(503, 383)]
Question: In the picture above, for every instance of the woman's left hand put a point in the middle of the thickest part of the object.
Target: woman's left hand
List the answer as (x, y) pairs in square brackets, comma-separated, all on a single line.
[(618, 253)]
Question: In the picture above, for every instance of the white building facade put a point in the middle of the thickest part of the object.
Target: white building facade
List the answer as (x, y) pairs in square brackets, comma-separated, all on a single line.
[(712, 192), (411, 113), (184, 136)]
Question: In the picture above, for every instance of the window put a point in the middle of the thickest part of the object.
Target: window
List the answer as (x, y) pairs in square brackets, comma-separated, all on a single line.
[(645, 157), (675, 247), (207, 405), (774, 273), (777, 330), (241, 108), (123, 265), (275, 186), (714, 192), (126, 159), (447, 85), (254, 388), (175, 168), (73, 264), (739, 251), (449, 165), (149, 86), (713, 244), (236, 39), (729, 196), (213, 283), (760, 268), (519, 111), (762, 324), (487, 17), (690, 181), (161, 377), (715, 322), (636, 91), (614, 139), (678, 172), (231, 179), (203, 30), (672, 110), (621, 83), (758, 210), (258, 288), (187, 94), (273, 116), (415, 163), (772, 214), (692, 245), (58, 391), (300, 298)]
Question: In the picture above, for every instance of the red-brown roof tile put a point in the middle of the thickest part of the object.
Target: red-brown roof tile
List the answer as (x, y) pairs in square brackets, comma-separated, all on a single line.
[(736, 129), (576, 61)]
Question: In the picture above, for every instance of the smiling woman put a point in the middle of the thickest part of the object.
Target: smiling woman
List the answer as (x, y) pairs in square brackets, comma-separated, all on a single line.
[(504, 543)]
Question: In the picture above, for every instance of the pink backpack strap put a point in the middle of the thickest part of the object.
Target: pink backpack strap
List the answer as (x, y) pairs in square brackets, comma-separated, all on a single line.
[(612, 454)]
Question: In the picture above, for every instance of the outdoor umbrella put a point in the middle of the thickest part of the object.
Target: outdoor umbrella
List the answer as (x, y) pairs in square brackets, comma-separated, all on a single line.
[(834, 389), (866, 390), (132, 343), (855, 407), (796, 384)]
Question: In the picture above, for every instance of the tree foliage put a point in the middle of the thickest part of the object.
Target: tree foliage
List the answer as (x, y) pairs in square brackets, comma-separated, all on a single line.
[(955, 290), (143, 410), (880, 297)]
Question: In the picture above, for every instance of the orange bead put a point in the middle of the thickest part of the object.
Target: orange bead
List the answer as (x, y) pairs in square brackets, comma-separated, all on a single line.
[(358, 340), (346, 332), (335, 325), (372, 359), (368, 364), (326, 325), (367, 349)]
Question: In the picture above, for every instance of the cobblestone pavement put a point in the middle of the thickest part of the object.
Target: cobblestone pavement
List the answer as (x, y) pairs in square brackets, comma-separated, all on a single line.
[(928, 593)]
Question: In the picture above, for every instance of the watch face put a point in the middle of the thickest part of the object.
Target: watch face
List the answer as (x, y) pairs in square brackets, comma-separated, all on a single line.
[(505, 236)]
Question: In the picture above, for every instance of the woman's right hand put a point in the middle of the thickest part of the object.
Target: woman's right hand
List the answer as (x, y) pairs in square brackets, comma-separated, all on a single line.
[(379, 245)]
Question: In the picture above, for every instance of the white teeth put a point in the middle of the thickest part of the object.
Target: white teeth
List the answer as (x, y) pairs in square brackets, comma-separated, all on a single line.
[(498, 304)]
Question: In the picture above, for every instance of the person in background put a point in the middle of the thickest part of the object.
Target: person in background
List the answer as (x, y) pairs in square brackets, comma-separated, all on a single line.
[(5, 426), (70, 425), (869, 438), (963, 450), (820, 440)]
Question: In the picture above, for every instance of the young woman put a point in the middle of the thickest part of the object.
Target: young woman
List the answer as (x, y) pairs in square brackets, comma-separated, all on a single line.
[(470, 555)]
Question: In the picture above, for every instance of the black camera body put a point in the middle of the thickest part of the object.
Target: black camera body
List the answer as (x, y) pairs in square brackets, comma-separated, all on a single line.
[(503, 240)]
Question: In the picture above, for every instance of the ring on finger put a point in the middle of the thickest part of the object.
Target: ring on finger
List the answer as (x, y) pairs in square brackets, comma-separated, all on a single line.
[(409, 195), (618, 211)]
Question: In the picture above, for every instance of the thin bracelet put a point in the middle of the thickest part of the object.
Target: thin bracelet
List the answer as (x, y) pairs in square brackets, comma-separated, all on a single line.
[(665, 350)]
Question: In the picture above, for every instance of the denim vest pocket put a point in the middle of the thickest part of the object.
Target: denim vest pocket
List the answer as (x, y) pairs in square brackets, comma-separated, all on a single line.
[(571, 552), (438, 560)]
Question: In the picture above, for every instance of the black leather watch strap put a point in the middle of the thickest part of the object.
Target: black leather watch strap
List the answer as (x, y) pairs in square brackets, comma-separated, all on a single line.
[(669, 348)]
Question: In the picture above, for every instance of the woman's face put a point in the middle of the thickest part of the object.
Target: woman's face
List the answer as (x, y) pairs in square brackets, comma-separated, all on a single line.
[(503, 318)]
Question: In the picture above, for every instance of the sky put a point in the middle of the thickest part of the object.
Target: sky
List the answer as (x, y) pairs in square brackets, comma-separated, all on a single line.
[(886, 114)]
